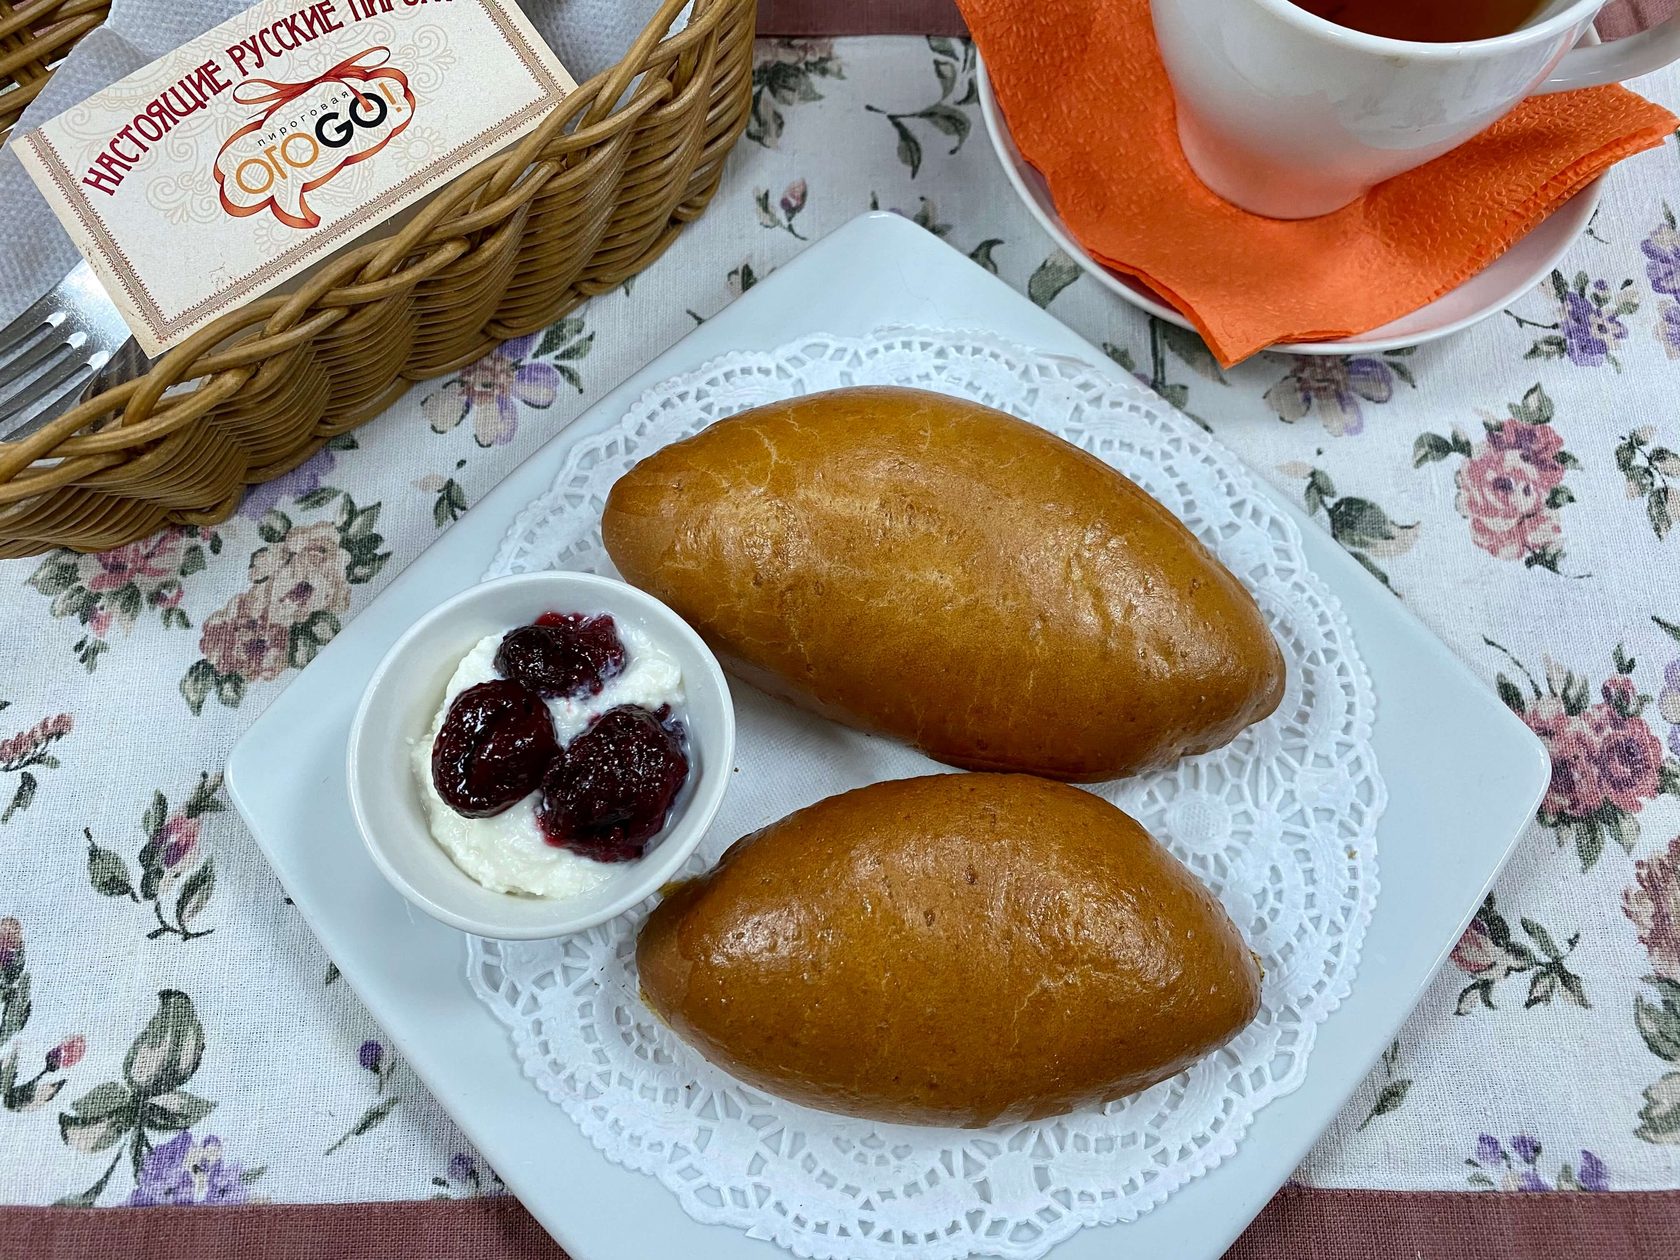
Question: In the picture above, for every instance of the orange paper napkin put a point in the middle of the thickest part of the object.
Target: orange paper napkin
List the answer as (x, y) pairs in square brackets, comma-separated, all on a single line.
[(1089, 104)]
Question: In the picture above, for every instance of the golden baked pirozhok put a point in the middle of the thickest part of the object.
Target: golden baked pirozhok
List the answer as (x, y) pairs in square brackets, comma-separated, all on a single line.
[(943, 573), (961, 949)]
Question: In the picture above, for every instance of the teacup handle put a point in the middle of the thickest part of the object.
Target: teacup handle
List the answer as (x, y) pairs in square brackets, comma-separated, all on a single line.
[(1626, 58)]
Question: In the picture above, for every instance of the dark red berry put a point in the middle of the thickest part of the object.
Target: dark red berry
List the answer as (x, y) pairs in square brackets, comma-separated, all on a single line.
[(614, 785), (563, 654), (496, 742)]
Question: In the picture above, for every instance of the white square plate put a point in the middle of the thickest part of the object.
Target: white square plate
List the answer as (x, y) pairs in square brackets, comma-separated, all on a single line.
[(1447, 830)]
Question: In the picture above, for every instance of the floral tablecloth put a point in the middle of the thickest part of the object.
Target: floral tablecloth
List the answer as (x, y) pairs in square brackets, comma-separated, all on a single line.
[(172, 1033)]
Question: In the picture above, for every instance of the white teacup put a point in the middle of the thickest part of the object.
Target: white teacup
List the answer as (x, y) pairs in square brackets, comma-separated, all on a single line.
[(1291, 116)]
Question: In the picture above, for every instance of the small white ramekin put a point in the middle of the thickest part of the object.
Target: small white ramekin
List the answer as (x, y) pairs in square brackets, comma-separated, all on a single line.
[(403, 696)]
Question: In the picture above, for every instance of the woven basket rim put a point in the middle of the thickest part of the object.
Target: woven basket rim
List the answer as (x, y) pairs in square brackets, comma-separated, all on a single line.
[(658, 106)]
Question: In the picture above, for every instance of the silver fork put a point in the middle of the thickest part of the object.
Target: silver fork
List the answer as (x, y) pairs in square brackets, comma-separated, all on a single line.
[(69, 346)]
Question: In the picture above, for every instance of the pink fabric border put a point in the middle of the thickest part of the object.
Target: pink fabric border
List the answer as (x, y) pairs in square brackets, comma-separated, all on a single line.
[(1300, 1224), (860, 17), (1624, 17), (940, 17)]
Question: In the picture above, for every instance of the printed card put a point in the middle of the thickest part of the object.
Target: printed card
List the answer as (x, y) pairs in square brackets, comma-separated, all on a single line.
[(233, 163)]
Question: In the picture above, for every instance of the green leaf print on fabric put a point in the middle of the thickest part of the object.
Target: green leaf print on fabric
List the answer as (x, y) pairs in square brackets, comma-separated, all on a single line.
[(1488, 953), (177, 876), (18, 1092), (450, 501), (1659, 1022), (953, 66), (1659, 1117), (1051, 276), (1183, 345), (982, 253), (784, 75), (151, 1101), (1188, 348), (1360, 525), (1395, 1090), (1431, 447), (1651, 470)]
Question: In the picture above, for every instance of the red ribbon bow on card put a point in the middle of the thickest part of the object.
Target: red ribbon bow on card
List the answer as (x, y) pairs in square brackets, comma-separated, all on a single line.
[(292, 165)]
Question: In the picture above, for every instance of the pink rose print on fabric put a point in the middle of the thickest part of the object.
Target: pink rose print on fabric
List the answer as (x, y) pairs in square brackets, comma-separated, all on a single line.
[(1475, 954), (242, 639), (1502, 493), (1607, 763), (300, 590), (791, 205), (1510, 487), (1652, 905), (150, 559), (108, 592)]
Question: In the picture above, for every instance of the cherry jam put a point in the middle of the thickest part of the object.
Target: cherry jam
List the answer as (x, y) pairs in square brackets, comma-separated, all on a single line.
[(613, 786), (496, 743), (563, 655)]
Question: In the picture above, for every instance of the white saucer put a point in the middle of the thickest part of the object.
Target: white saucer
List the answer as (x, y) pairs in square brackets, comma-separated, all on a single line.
[(1497, 285)]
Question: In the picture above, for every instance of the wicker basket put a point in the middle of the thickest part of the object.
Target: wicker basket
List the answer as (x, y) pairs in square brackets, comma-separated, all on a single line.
[(34, 34), (587, 200)]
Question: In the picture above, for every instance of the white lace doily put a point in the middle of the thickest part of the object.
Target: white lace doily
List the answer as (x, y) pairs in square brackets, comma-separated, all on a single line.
[(1280, 823)]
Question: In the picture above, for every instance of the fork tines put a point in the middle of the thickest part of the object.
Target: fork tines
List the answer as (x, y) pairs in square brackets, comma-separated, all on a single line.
[(52, 349)]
